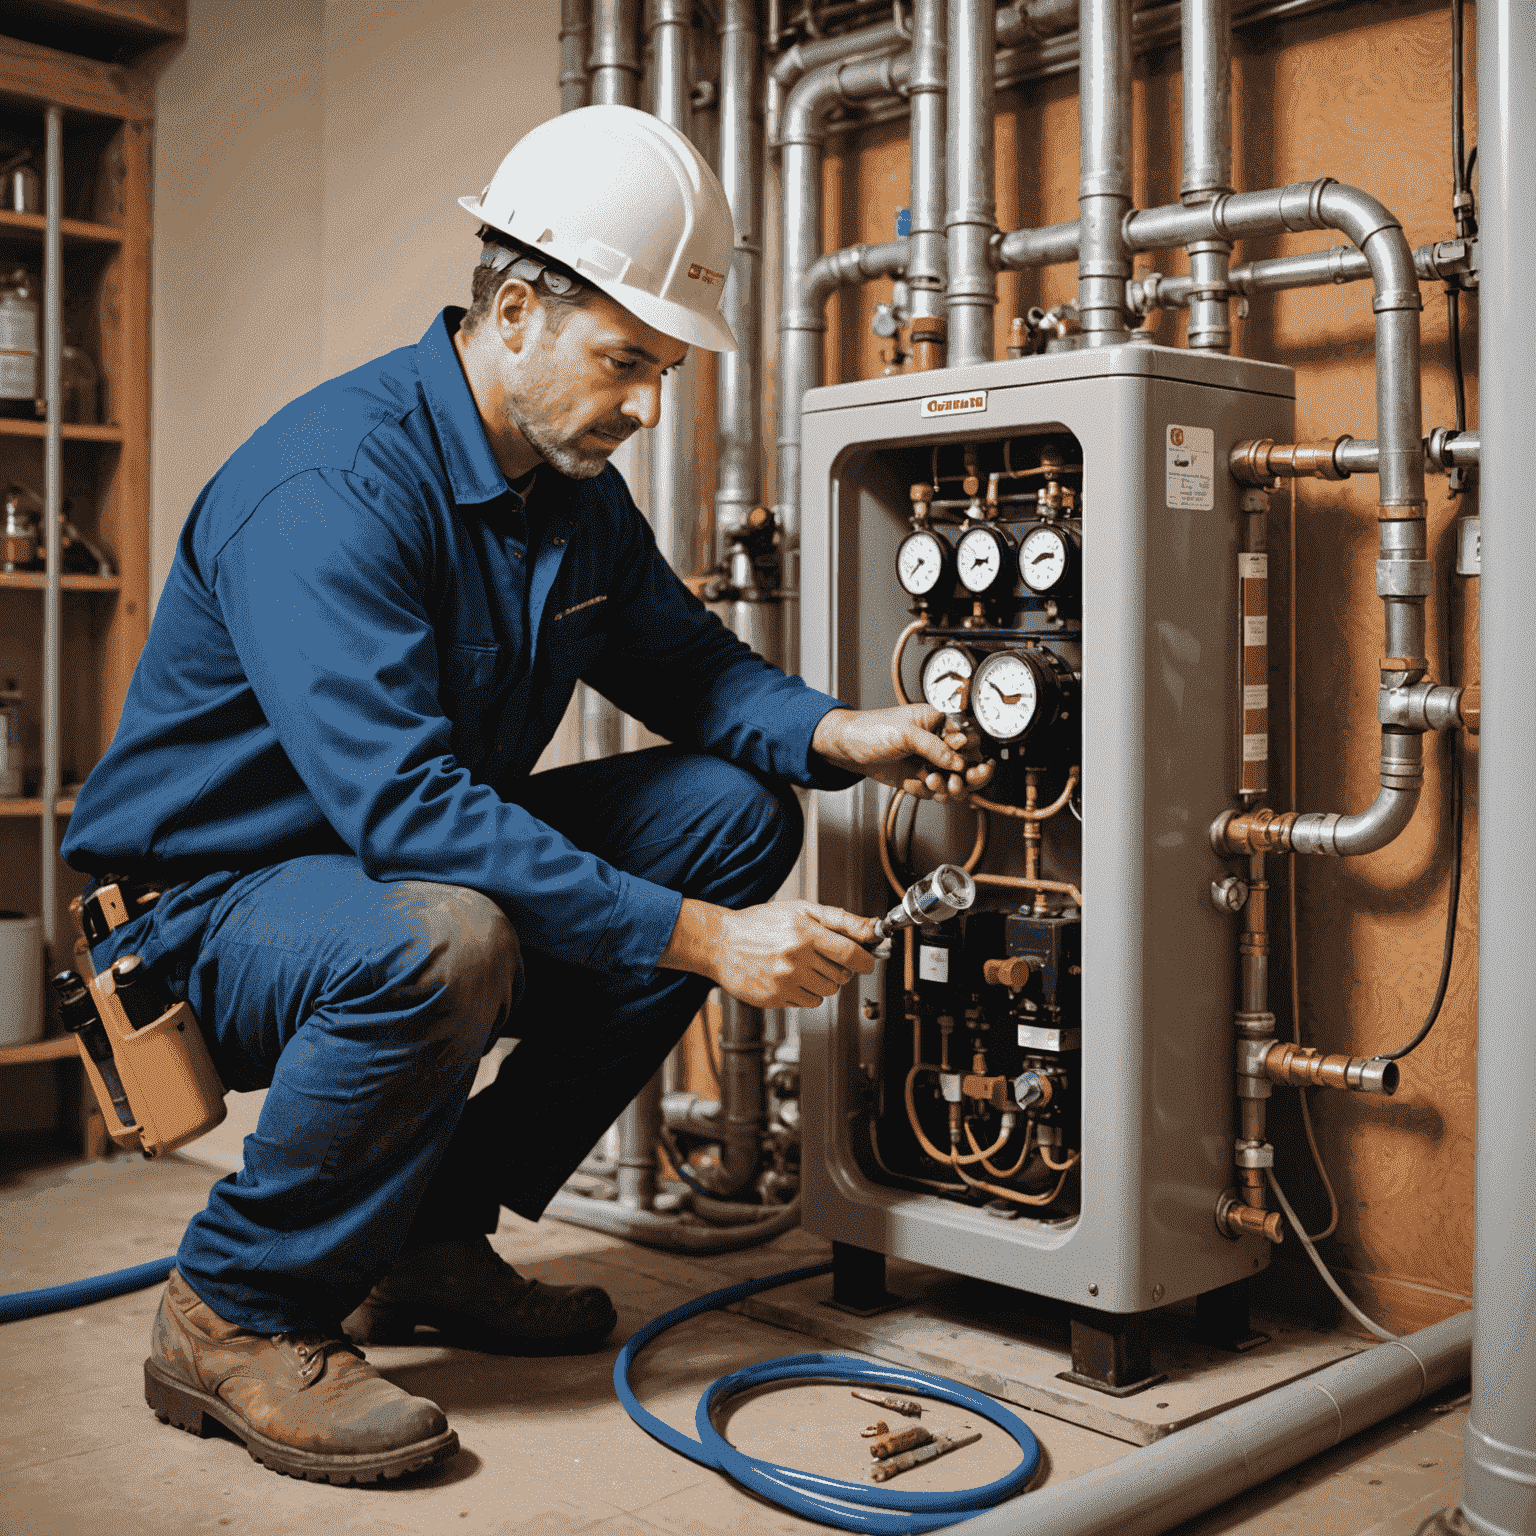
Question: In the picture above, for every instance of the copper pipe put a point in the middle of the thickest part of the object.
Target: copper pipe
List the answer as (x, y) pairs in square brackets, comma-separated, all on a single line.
[(1262, 830), (920, 622), (1017, 882), (929, 338), (1014, 1195), (880, 1163), (1054, 1166), (952, 1158), (1045, 813), (1000, 1173)]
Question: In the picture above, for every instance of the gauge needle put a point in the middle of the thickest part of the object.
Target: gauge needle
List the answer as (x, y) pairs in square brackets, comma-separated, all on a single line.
[(1049, 554), (944, 677), (1007, 698)]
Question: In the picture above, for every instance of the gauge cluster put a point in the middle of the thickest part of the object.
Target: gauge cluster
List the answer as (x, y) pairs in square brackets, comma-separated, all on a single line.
[(993, 568)]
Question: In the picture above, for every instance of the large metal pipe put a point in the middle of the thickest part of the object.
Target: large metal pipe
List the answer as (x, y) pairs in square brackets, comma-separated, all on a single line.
[(574, 31), (971, 295), (614, 65), (1175, 1479), (804, 57), (1499, 1476), (1104, 168), (928, 254), (1207, 38), (673, 501), (739, 390)]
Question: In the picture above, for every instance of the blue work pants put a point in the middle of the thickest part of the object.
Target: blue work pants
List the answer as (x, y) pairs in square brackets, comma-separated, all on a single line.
[(364, 1009)]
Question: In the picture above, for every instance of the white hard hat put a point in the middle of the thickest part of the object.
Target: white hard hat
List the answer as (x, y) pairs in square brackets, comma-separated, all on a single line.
[(631, 205)]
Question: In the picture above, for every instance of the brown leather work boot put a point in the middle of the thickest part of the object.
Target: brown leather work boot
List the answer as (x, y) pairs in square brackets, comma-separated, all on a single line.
[(475, 1299), (305, 1404)]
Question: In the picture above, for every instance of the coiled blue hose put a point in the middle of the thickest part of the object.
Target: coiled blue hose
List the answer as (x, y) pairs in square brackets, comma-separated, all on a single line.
[(81, 1293), (827, 1499)]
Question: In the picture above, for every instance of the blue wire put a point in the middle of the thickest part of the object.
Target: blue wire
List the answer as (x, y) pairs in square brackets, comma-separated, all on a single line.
[(826, 1499), (81, 1293)]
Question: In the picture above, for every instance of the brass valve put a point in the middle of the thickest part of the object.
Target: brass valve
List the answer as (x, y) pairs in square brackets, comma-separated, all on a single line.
[(1236, 1218), (1304, 1066), (990, 1090), (1011, 972)]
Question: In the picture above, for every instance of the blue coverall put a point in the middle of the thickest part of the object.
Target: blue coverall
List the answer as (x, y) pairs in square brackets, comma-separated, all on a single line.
[(365, 642)]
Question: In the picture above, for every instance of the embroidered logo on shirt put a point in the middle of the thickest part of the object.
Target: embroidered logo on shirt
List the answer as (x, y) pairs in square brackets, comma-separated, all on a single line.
[(566, 612)]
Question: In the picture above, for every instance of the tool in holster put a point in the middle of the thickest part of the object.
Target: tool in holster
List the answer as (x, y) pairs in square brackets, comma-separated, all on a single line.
[(143, 1054)]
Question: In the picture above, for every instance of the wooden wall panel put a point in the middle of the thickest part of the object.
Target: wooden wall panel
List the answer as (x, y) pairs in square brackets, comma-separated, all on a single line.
[(1361, 94)]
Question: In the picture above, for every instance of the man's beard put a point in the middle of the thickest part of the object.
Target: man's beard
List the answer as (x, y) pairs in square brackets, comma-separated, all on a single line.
[(566, 453)]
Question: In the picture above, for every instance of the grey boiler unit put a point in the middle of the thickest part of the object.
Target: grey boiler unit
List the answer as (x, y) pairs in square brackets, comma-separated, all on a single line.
[(1040, 1091)]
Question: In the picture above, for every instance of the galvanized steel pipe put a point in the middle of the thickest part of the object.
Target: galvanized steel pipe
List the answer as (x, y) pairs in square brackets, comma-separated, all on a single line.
[(1207, 39), (927, 258), (613, 66), (1499, 1467), (574, 32), (1104, 169), (971, 221), (739, 391)]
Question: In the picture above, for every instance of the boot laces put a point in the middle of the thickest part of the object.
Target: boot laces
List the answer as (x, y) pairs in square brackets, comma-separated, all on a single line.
[(314, 1347)]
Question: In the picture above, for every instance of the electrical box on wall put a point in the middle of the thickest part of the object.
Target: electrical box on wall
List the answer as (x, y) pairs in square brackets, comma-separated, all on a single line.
[(1039, 1092)]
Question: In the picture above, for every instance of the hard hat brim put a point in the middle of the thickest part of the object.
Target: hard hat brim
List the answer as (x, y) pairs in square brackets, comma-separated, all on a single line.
[(709, 332)]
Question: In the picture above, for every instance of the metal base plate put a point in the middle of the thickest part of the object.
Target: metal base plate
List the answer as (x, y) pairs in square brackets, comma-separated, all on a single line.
[(1099, 1386)]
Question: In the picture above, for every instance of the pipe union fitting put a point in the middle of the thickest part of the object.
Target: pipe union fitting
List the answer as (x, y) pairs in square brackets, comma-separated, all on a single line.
[(1421, 707), (1405, 578), (1249, 1155), (1313, 832)]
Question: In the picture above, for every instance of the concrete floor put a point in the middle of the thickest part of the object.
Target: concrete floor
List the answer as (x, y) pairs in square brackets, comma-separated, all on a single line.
[(547, 1449)]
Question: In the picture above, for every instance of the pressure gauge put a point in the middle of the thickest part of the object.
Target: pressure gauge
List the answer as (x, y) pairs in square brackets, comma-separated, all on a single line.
[(947, 679), (985, 558), (1044, 557), (1005, 695), (925, 563)]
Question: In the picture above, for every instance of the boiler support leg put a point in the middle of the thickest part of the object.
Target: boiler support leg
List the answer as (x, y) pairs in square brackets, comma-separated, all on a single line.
[(858, 1281), (1111, 1353), (1221, 1319)]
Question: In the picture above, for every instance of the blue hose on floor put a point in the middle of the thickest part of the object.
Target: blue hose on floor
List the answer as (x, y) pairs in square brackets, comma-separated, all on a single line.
[(81, 1293), (827, 1499)]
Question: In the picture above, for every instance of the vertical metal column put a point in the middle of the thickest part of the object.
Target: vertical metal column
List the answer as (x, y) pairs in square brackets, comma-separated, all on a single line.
[(1207, 34), (574, 32), (927, 248), (1104, 169), (972, 218), (53, 512), (673, 509), (739, 401), (1499, 1479), (614, 64)]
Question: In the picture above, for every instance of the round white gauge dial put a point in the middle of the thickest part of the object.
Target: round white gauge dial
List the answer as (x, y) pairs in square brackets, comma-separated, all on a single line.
[(981, 555), (1043, 558), (1004, 695), (921, 562), (946, 678)]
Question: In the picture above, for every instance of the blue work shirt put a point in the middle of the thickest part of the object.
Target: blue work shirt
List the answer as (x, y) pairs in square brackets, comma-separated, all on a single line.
[(366, 640)]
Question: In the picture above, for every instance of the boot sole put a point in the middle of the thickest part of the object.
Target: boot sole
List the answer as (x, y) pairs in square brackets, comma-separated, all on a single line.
[(174, 1402), (398, 1326)]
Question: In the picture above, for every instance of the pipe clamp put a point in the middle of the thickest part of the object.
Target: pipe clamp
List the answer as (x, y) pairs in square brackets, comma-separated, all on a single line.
[(1405, 578)]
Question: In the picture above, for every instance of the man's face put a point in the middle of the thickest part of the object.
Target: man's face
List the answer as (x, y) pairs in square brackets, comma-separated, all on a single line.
[(577, 393)]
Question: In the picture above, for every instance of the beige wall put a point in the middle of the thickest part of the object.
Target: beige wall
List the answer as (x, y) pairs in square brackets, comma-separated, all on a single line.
[(308, 154)]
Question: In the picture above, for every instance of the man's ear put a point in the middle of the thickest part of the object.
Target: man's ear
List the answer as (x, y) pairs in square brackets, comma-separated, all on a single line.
[(515, 305)]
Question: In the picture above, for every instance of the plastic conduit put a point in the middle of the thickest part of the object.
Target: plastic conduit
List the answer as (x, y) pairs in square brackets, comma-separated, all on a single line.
[(886, 1512)]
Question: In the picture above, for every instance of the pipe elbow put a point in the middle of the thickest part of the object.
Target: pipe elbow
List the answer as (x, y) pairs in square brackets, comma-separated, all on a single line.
[(1345, 836), (1376, 232)]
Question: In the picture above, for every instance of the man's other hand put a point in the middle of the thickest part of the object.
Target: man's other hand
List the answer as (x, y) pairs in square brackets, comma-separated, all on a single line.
[(900, 747), (782, 954)]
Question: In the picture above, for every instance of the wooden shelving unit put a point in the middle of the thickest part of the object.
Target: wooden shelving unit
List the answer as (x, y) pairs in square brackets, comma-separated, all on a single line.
[(77, 88)]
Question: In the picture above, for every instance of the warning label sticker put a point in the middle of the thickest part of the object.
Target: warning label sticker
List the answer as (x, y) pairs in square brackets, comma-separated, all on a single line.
[(1191, 469), (932, 963)]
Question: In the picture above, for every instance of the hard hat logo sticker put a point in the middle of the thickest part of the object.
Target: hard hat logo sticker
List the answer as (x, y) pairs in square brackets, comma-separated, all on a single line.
[(704, 275)]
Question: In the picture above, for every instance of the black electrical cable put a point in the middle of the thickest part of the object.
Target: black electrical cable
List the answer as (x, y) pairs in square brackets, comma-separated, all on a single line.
[(1458, 129)]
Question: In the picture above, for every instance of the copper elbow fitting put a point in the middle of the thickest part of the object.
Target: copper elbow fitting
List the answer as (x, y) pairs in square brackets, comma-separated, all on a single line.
[(1249, 832), (1235, 1219), (1303, 1066)]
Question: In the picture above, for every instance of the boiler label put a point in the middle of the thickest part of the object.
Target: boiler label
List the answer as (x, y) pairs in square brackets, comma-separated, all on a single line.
[(932, 963), (956, 405), (1191, 468)]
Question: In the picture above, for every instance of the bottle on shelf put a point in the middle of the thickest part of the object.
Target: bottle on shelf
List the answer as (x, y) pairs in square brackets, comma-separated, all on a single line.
[(20, 346)]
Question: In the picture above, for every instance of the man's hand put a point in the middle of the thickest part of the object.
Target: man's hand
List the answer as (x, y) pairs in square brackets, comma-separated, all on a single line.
[(783, 954), (900, 747)]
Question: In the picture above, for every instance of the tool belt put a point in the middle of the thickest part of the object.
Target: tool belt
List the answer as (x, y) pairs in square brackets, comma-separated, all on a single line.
[(144, 1055)]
